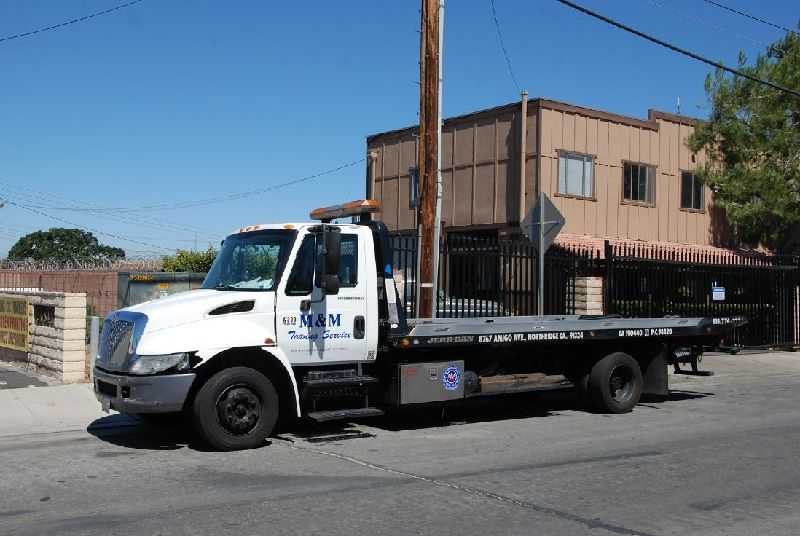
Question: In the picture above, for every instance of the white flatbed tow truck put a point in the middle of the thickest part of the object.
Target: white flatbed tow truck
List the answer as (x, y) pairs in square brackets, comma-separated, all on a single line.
[(304, 320)]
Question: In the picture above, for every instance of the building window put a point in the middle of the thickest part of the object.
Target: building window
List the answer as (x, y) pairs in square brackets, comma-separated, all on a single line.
[(575, 175), (639, 183), (691, 191), (413, 187)]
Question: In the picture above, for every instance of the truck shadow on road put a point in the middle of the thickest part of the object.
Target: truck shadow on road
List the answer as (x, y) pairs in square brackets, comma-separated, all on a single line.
[(170, 433), (175, 433), (534, 405)]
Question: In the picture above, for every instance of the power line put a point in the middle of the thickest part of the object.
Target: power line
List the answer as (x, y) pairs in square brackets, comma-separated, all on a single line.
[(34, 199), (214, 200), (676, 48), (751, 17), (95, 231), (503, 47), (699, 20), (69, 22)]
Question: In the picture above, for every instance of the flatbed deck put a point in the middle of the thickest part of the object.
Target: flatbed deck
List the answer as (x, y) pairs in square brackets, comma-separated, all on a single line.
[(506, 331)]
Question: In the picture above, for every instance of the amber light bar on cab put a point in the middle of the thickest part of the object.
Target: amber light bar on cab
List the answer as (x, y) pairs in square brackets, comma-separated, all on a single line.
[(353, 208)]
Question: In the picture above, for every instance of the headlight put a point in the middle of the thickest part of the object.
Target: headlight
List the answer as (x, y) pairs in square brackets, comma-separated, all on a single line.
[(151, 364)]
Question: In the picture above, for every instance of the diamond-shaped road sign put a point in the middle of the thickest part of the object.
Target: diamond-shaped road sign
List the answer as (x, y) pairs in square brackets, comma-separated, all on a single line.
[(544, 217)]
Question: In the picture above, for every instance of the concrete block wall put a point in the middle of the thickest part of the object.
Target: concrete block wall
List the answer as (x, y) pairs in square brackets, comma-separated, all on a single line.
[(589, 296), (59, 349)]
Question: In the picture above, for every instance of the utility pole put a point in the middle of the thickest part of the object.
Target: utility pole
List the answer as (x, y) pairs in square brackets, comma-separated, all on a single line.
[(430, 125)]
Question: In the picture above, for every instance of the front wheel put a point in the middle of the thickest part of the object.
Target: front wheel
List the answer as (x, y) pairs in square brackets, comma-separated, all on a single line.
[(615, 383), (236, 409)]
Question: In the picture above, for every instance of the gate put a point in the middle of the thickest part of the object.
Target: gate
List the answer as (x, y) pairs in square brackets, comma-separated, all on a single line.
[(482, 275), (761, 290)]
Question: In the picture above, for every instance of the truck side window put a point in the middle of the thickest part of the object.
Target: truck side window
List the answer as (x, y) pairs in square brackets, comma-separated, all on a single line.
[(348, 267), (301, 281)]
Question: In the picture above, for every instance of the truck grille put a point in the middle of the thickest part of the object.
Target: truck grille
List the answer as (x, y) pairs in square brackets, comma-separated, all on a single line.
[(108, 389), (115, 343)]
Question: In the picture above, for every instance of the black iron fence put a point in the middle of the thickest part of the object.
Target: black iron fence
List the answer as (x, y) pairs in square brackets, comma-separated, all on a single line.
[(483, 275), (761, 289)]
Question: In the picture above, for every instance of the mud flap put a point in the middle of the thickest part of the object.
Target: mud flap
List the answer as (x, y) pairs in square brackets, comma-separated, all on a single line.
[(654, 372)]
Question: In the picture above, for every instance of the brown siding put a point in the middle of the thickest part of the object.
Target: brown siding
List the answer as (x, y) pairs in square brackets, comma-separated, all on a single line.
[(663, 145), (481, 172)]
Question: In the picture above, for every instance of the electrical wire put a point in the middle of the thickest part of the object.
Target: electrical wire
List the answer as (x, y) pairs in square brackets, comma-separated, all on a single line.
[(34, 199), (214, 200), (751, 17), (95, 231), (503, 47), (69, 22), (677, 49), (699, 20)]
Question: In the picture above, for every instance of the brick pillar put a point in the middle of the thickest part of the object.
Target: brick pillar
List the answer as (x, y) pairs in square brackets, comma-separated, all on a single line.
[(58, 345), (73, 333)]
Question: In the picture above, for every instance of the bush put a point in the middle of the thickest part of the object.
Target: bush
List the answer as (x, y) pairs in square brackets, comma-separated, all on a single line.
[(190, 261)]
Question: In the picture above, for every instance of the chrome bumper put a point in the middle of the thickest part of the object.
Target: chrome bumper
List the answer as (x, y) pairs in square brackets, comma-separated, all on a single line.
[(142, 394)]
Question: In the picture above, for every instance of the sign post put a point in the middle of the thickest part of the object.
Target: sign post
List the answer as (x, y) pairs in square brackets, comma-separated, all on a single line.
[(541, 226)]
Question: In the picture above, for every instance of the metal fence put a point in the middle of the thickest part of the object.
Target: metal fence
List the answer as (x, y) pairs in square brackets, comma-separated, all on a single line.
[(87, 265), (482, 275), (761, 289)]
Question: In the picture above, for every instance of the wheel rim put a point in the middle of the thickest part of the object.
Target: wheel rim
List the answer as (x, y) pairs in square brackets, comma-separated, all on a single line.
[(621, 384), (239, 409)]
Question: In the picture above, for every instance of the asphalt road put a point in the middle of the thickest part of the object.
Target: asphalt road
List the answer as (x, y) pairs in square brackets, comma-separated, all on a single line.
[(719, 457), (14, 379)]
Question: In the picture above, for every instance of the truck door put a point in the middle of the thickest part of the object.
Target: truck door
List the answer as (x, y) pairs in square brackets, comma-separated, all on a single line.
[(313, 328)]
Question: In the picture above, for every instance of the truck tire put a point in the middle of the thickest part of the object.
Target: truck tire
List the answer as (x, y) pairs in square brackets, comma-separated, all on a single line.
[(615, 383), (236, 409)]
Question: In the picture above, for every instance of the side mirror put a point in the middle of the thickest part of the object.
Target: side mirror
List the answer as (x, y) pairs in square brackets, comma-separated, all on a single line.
[(328, 261), (330, 284), (333, 251)]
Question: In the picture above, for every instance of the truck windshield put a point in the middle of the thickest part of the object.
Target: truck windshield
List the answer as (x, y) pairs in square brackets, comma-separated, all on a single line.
[(250, 261)]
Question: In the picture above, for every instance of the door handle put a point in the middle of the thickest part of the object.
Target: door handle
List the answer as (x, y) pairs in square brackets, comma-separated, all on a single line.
[(359, 327)]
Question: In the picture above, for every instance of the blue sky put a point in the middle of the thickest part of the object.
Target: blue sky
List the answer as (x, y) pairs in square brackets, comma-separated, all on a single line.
[(171, 101)]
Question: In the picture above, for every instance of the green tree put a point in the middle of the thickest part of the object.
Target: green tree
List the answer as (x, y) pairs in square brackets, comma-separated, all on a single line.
[(753, 140), (190, 261), (59, 244)]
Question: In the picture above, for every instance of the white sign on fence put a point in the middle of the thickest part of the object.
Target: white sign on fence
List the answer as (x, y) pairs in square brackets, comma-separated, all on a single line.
[(718, 293)]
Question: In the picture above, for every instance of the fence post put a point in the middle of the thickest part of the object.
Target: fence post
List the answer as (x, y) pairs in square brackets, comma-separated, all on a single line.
[(608, 277), (94, 340)]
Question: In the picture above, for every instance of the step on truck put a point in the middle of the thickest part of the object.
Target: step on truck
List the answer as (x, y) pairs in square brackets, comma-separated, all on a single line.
[(305, 320)]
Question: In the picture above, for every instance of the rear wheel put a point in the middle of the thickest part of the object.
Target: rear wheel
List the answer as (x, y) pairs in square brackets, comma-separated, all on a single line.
[(236, 409), (615, 383)]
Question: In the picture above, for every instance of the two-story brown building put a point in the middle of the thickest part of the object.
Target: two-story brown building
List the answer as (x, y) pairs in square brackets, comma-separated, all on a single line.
[(612, 176)]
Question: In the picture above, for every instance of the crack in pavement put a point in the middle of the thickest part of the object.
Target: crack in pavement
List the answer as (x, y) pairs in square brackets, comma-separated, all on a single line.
[(477, 492)]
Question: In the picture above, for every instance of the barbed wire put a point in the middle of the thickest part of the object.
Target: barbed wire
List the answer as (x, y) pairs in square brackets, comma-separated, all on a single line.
[(83, 265)]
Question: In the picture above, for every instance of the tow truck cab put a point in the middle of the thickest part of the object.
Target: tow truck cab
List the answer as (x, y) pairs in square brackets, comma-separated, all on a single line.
[(304, 320)]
